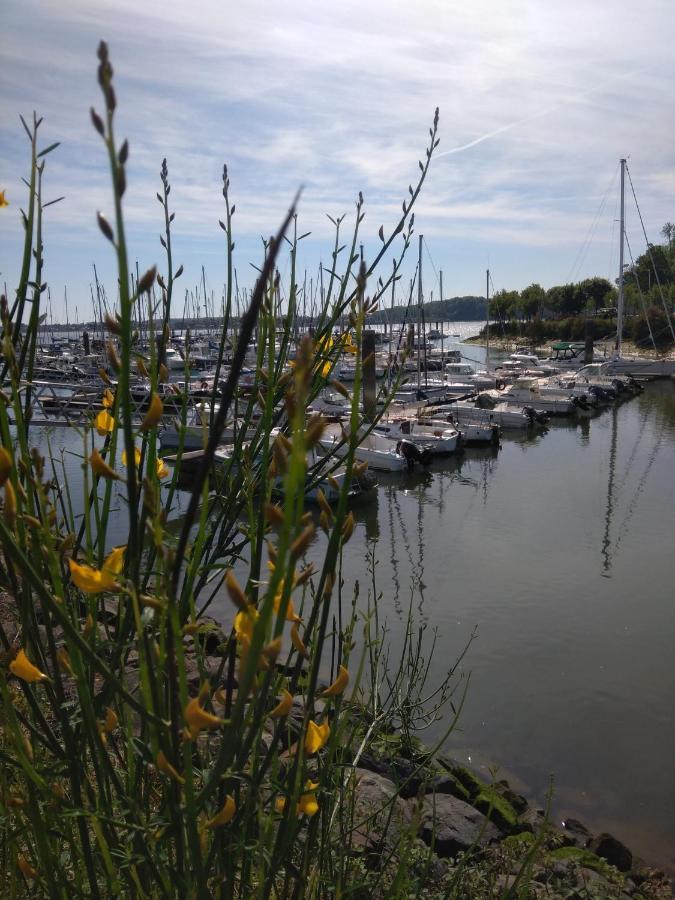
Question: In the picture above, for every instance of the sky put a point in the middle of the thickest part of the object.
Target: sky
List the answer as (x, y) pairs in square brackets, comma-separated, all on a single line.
[(538, 101)]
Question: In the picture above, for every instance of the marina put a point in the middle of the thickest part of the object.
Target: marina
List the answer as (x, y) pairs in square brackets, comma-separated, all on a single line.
[(541, 542)]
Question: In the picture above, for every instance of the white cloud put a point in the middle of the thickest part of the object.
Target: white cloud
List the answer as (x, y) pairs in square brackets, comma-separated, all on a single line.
[(543, 97)]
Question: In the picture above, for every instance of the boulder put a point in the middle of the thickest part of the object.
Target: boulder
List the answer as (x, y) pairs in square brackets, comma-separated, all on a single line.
[(450, 825), (378, 816), (613, 851), (576, 834)]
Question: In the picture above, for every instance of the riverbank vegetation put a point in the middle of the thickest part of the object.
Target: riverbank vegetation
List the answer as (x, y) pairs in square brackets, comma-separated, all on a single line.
[(148, 751)]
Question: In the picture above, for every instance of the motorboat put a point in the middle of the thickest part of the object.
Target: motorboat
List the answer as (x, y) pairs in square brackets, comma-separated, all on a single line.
[(380, 452), (439, 439)]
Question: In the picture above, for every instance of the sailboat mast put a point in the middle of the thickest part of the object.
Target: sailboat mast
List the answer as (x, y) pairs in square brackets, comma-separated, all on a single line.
[(619, 308), (419, 313), (487, 316)]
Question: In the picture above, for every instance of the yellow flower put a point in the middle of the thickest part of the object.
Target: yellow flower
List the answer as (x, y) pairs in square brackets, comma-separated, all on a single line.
[(165, 766), (93, 581), (154, 413), (326, 369), (291, 615), (338, 686), (108, 399), (244, 623), (23, 668), (298, 643), (163, 470), (101, 467), (283, 707), (308, 804), (198, 719), (5, 465), (3, 200), (225, 815), (316, 737), (104, 423), (137, 456), (114, 561)]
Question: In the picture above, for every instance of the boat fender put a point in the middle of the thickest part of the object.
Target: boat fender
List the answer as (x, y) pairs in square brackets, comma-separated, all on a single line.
[(500, 384)]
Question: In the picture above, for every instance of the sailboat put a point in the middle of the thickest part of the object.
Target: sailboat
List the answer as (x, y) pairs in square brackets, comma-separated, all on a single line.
[(618, 364)]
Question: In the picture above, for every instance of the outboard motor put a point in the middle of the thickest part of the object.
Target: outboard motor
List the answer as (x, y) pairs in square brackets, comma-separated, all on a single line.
[(412, 454), (536, 416), (580, 402)]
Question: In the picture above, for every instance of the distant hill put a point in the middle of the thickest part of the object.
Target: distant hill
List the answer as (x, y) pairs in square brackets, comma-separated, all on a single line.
[(456, 309)]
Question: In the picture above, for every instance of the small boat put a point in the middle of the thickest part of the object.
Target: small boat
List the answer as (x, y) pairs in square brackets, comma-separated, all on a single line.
[(441, 439), (378, 451)]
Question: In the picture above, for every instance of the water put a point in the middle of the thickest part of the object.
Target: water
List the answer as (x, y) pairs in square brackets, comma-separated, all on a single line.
[(558, 550)]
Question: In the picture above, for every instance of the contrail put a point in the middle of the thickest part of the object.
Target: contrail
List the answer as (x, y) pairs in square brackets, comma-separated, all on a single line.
[(538, 115)]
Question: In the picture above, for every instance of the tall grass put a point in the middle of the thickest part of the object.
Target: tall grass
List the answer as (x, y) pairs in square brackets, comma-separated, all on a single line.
[(130, 766)]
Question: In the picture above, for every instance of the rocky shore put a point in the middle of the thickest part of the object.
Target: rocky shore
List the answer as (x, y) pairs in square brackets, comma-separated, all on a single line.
[(468, 837)]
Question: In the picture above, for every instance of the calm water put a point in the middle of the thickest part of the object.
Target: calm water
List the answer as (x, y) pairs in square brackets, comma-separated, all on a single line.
[(559, 550)]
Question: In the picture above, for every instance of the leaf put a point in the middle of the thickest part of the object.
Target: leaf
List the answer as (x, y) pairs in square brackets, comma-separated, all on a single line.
[(49, 149), (23, 122), (52, 202)]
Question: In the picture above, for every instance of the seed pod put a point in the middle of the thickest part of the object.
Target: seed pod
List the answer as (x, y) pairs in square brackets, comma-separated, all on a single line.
[(272, 650), (179, 272), (279, 455), (302, 542), (97, 121), (112, 324), (163, 374), (123, 155), (104, 225), (142, 369), (104, 376), (347, 527), (237, 595), (324, 522), (9, 510), (121, 181), (359, 468), (271, 551), (113, 358), (274, 514), (315, 429), (323, 503), (146, 281), (341, 389), (304, 575)]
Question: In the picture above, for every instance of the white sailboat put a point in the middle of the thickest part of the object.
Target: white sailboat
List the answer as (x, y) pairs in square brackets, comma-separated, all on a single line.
[(636, 366)]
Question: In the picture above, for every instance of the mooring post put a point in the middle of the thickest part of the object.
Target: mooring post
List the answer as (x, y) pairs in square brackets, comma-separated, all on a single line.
[(85, 343), (369, 383), (588, 350)]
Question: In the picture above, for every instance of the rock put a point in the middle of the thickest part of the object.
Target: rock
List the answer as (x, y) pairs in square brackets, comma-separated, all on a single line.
[(447, 784), (450, 825), (533, 820), (211, 636), (517, 801), (378, 821), (613, 851), (576, 833), (399, 770)]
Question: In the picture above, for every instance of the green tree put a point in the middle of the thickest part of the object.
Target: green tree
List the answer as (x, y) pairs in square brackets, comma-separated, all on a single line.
[(505, 305), (532, 300)]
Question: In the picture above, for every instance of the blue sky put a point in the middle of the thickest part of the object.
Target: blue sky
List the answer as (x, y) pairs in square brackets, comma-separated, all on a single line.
[(538, 102)]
